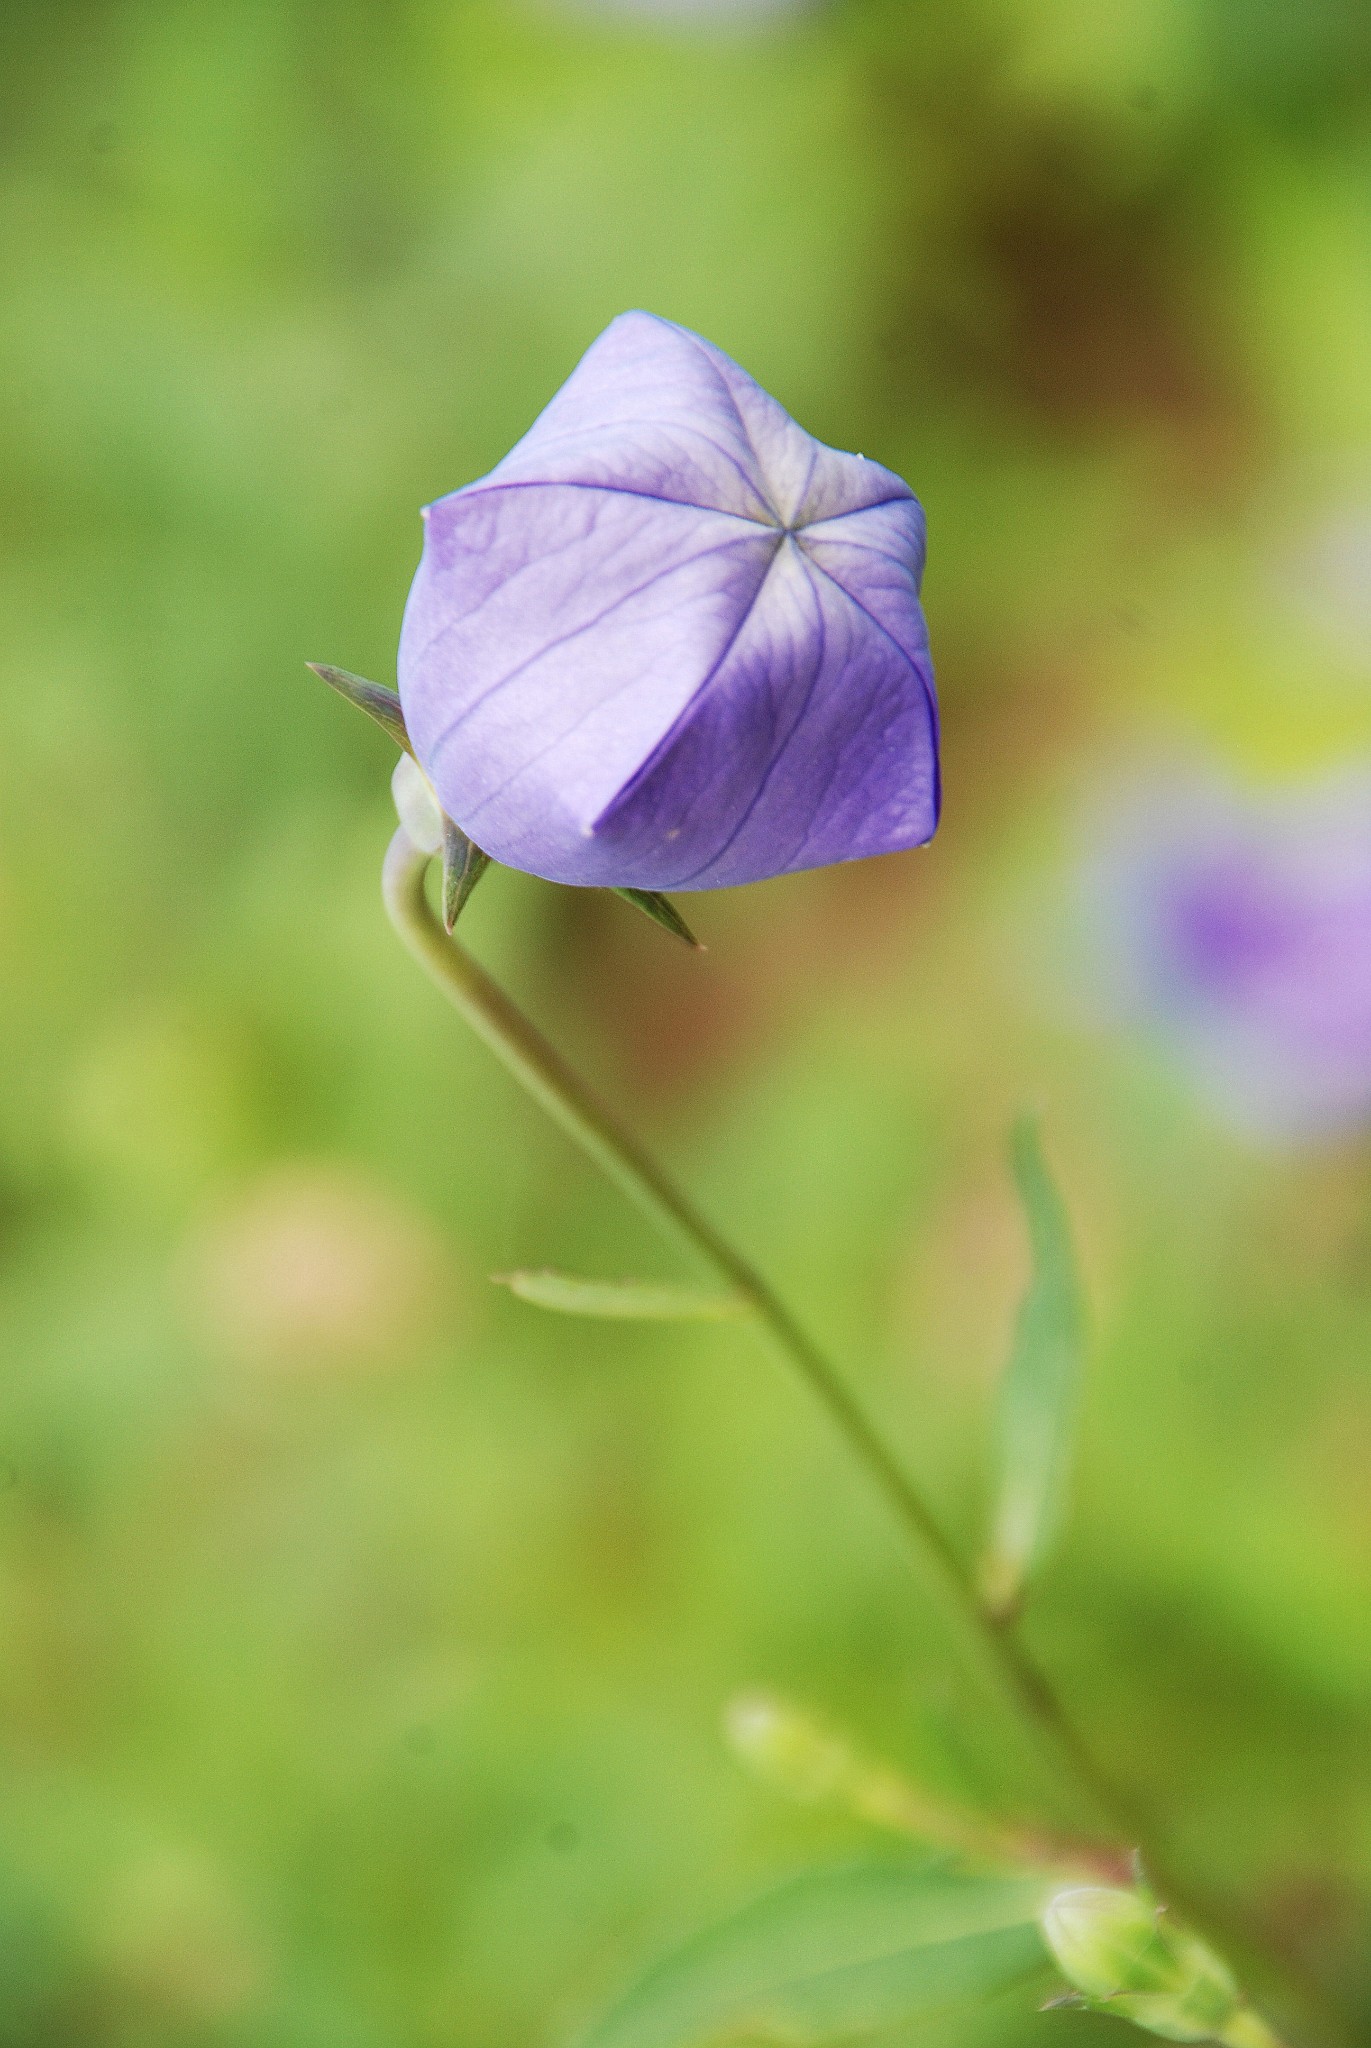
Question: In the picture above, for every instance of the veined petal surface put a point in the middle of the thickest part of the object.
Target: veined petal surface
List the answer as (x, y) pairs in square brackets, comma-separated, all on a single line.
[(672, 641)]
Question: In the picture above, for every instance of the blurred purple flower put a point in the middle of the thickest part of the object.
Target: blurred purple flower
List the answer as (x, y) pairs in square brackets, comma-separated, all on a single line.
[(1242, 926), (672, 641)]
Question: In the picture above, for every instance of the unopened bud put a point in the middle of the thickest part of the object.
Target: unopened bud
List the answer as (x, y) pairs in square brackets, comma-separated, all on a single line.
[(416, 806), (1124, 1955), (786, 1747)]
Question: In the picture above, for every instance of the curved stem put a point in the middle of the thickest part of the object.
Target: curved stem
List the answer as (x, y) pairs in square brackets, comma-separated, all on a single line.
[(547, 1077), (573, 1104)]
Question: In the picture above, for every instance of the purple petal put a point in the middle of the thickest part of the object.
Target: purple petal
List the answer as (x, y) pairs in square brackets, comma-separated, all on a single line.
[(804, 747), (672, 640)]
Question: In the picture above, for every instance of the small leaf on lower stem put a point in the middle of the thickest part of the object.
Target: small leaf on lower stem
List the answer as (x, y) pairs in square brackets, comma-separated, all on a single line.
[(463, 866), (801, 1755), (649, 1301), (1040, 1393), (663, 912), (837, 1956), (374, 698)]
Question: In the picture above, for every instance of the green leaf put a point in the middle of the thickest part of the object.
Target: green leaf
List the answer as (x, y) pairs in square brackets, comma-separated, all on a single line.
[(1040, 1394), (378, 702), (627, 1300), (663, 912), (463, 866), (836, 1955)]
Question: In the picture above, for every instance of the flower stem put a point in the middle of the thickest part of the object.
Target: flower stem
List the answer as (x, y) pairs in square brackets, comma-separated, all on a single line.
[(569, 1101), (574, 1105)]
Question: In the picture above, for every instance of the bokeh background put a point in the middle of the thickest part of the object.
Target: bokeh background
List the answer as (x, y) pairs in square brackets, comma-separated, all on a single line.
[(364, 1635)]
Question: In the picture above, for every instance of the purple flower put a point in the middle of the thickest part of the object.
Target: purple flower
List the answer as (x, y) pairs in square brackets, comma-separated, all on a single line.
[(1242, 927), (672, 641)]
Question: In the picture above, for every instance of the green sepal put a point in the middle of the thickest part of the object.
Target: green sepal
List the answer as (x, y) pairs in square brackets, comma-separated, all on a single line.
[(374, 698), (463, 866), (649, 1301), (662, 912)]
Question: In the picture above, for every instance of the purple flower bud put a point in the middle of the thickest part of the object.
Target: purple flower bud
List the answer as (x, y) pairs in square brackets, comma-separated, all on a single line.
[(1242, 926), (672, 641)]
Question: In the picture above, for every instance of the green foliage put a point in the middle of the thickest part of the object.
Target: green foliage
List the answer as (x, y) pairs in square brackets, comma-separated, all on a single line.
[(1040, 1394), (836, 1956), (43, 1982), (641, 1301)]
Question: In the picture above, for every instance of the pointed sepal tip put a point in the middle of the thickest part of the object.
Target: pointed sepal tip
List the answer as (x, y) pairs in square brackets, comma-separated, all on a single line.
[(662, 911), (463, 866), (375, 699)]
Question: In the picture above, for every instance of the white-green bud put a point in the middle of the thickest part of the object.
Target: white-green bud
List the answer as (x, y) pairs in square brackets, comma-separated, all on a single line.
[(416, 806), (786, 1747), (1125, 1955)]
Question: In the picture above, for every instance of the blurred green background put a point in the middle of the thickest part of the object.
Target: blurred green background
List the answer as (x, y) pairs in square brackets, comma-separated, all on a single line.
[(364, 1635)]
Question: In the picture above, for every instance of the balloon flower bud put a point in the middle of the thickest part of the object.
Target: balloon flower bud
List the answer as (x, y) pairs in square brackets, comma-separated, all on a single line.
[(1125, 1956), (672, 641)]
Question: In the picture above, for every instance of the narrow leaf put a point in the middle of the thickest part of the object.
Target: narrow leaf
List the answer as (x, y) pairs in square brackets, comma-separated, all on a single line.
[(378, 702), (663, 912), (463, 866), (835, 1955), (1041, 1390), (801, 1755), (627, 1300)]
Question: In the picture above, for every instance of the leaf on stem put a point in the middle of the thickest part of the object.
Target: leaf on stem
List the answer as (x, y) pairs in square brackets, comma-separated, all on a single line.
[(374, 698), (463, 866), (836, 1954), (801, 1755), (663, 912), (1041, 1391), (624, 1300)]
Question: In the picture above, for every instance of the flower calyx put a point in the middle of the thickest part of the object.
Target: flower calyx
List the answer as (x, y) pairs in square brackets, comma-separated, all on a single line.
[(430, 828), (1125, 1955)]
